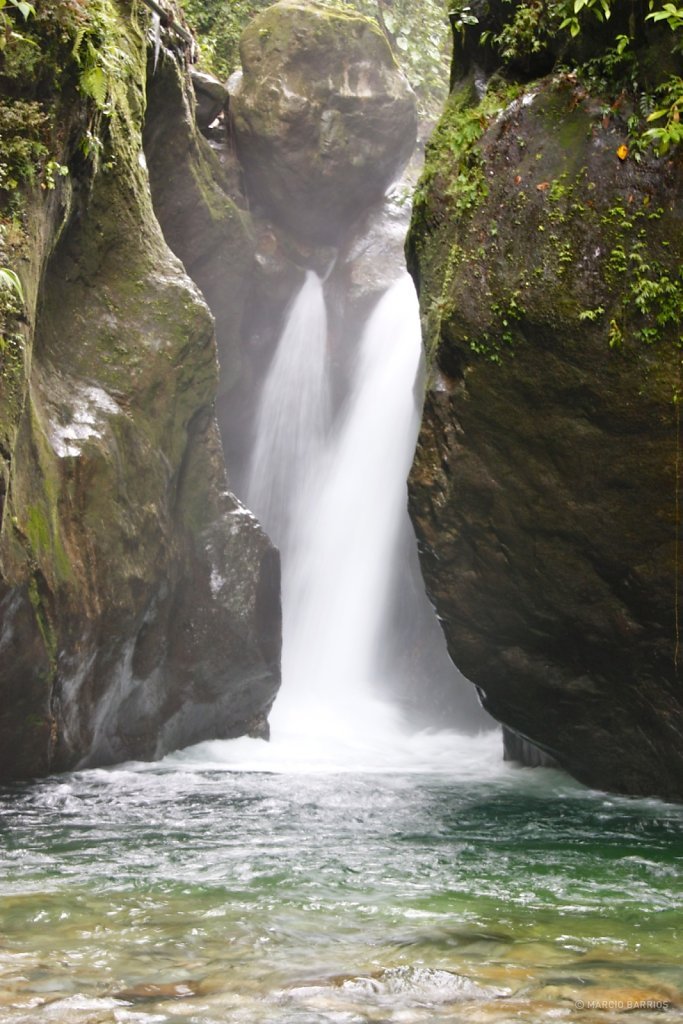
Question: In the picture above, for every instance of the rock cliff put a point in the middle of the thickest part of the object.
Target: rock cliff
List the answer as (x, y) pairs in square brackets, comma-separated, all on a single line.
[(546, 486), (139, 601)]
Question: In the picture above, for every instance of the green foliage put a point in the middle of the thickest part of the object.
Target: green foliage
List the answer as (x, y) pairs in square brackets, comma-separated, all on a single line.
[(533, 22), (671, 14), (420, 37), (591, 315), (25, 130), (498, 340), (103, 65), (615, 335), (24, 8), (528, 32), (11, 307), (651, 292), (462, 16), (66, 44), (454, 170), (8, 30), (452, 155), (546, 27), (9, 279), (600, 8), (670, 133), (218, 27)]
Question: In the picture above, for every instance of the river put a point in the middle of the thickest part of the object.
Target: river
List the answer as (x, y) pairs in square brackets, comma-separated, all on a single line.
[(231, 885)]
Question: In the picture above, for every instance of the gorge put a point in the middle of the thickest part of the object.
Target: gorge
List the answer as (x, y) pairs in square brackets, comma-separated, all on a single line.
[(241, 776)]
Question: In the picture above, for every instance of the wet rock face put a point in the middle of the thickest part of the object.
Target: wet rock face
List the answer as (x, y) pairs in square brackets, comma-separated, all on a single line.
[(197, 207), (139, 601), (323, 118), (211, 97), (544, 489)]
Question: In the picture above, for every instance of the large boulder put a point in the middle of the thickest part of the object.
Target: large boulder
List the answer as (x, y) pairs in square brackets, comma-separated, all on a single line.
[(546, 485), (211, 97), (324, 119)]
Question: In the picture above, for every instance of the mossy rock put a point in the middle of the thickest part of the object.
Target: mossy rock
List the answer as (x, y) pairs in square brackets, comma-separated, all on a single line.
[(200, 221), (139, 603), (544, 489), (324, 119)]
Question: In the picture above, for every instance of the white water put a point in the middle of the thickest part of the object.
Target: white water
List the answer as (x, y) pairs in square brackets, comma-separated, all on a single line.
[(332, 496), (292, 420), (336, 587)]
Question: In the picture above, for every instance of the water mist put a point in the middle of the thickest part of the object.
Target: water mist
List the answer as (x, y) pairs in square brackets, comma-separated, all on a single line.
[(330, 489)]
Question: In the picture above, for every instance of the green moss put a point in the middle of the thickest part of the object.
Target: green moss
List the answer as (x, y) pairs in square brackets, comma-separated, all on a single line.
[(36, 722), (25, 131), (277, 30), (38, 520), (454, 172), (641, 263), (38, 531), (41, 528), (453, 162), (559, 243), (47, 631)]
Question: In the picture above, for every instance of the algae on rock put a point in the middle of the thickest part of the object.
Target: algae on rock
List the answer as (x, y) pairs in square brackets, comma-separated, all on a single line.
[(139, 602), (323, 117), (546, 485)]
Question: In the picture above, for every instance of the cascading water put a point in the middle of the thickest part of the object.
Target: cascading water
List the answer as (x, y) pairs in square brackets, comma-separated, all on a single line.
[(335, 593), (331, 492), (333, 500), (292, 419)]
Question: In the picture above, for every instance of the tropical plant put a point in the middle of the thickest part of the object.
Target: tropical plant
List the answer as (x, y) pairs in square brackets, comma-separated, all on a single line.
[(9, 280), (6, 23), (534, 26)]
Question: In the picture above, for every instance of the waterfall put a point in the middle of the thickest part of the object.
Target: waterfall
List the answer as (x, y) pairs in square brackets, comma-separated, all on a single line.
[(330, 490), (333, 496), (336, 585), (292, 419)]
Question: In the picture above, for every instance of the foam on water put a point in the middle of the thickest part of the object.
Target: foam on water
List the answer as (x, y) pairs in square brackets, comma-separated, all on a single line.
[(384, 746)]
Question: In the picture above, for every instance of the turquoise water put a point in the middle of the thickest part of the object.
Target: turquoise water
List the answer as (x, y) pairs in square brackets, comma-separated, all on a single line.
[(196, 892)]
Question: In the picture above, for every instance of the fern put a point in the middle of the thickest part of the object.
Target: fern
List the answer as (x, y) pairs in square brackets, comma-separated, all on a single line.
[(76, 48), (93, 83), (102, 64)]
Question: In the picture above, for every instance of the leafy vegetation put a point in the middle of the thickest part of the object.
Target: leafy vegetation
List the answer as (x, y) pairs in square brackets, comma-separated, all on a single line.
[(8, 27), (10, 280), (453, 144), (543, 33), (101, 62), (11, 304), (65, 76), (650, 291), (218, 27), (670, 132)]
